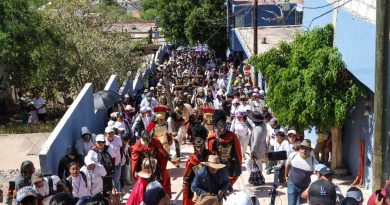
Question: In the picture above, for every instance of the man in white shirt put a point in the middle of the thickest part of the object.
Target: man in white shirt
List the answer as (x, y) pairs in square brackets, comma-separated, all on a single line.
[(272, 128), (149, 101), (218, 100), (45, 186), (40, 105), (115, 143), (94, 173)]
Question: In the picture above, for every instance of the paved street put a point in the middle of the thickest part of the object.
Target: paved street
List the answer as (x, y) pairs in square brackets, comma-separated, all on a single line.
[(262, 192)]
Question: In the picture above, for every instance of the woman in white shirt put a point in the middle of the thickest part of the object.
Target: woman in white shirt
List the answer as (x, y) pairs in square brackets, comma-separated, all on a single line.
[(78, 180), (242, 131), (94, 173)]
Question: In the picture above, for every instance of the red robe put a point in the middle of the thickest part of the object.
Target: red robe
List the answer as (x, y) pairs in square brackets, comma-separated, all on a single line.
[(137, 194), (228, 138), (192, 161), (156, 150)]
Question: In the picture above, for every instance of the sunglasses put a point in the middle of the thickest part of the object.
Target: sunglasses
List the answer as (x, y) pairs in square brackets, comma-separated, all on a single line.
[(100, 142)]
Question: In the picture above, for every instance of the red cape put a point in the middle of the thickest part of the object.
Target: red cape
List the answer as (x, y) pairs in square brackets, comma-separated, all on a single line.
[(162, 160), (229, 137), (138, 191)]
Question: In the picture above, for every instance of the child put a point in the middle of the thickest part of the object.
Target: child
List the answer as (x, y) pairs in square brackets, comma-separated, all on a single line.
[(78, 180), (32, 114)]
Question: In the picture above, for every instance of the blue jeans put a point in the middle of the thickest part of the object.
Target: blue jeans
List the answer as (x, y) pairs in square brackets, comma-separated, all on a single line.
[(116, 178), (279, 173), (293, 193)]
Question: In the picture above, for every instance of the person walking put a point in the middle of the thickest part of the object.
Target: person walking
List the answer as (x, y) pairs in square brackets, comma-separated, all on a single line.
[(299, 168), (211, 182), (94, 173), (258, 144), (240, 128), (71, 155)]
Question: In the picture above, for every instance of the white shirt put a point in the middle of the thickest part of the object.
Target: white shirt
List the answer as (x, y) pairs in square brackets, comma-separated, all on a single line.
[(244, 108), (217, 104), (44, 191), (84, 147), (80, 187), (115, 145), (38, 103), (279, 147), (240, 128), (153, 102), (94, 178), (92, 155), (271, 133), (296, 160), (288, 147)]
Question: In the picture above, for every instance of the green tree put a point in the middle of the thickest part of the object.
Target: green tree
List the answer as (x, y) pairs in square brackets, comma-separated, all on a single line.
[(309, 86), (189, 21), (21, 32), (92, 50), (308, 83)]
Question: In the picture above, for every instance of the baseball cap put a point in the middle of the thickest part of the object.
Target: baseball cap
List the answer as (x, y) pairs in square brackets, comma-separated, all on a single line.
[(355, 193), (25, 192), (36, 177), (109, 129), (318, 167), (100, 138), (322, 192), (292, 132), (326, 171)]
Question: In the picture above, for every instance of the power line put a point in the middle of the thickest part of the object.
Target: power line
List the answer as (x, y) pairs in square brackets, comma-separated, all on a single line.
[(327, 12)]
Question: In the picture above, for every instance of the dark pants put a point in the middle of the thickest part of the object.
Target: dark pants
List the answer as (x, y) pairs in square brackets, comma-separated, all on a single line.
[(270, 164), (42, 117)]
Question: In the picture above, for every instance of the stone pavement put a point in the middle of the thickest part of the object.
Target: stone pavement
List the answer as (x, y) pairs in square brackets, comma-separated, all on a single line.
[(262, 192)]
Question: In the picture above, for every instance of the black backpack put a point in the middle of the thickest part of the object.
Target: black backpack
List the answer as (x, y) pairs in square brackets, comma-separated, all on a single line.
[(82, 176), (105, 159)]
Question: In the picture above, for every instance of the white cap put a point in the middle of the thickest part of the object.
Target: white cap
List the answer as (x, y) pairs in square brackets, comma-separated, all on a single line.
[(100, 138), (219, 92), (151, 88), (128, 107), (127, 96), (235, 100), (109, 129), (255, 90), (292, 132), (262, 92), (149, 109)]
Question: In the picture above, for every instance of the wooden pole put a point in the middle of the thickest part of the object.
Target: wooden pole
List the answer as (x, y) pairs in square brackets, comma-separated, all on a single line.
[(254, 75), (381, 94)]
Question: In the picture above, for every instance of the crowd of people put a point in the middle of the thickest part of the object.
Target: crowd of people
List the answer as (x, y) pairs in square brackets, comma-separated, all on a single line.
[(192, 98)]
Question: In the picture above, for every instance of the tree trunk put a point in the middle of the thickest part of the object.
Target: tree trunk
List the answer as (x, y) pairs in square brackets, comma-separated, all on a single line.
[(337, 147)]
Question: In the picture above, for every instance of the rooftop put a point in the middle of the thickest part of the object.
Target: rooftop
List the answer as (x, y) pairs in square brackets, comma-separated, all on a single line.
[(271, 34)]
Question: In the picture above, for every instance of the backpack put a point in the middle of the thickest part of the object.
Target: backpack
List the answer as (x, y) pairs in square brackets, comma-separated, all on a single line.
[(51, 184), (105, 159), (82, 176)]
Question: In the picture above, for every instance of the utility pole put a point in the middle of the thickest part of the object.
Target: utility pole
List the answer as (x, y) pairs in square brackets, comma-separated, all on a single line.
[(381, 93), (254, 38)]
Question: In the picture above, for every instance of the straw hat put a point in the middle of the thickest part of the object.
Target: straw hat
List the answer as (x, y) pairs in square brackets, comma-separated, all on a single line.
[(213, 162), (147, 168)]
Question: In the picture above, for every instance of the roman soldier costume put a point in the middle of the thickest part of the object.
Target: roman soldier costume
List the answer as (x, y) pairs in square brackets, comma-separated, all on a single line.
[(227, 145), (148, 147), (160, 131), (201, 154), (207, 119)]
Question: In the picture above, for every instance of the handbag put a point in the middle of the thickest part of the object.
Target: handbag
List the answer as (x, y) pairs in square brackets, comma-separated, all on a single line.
[(256, 177)]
